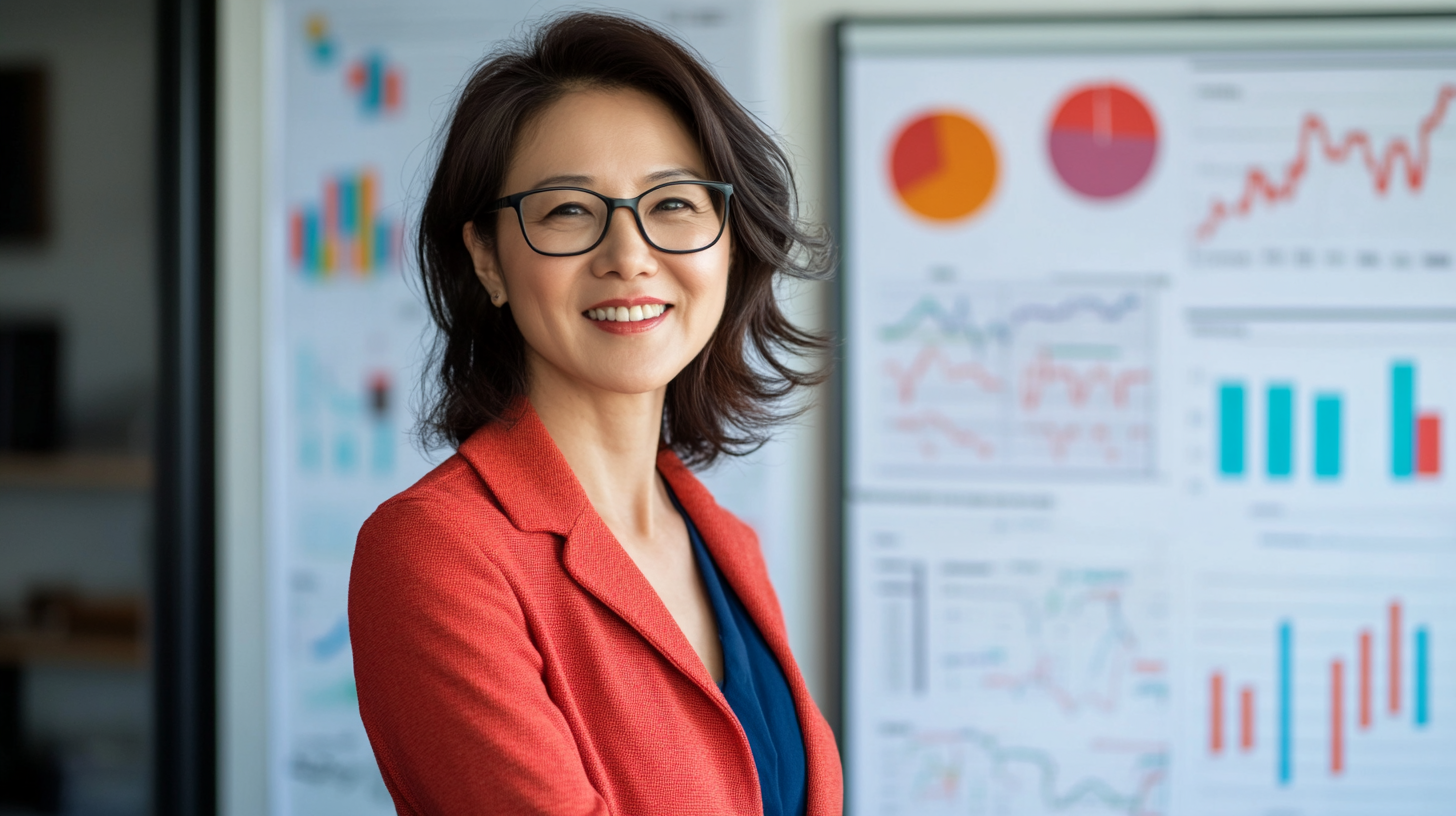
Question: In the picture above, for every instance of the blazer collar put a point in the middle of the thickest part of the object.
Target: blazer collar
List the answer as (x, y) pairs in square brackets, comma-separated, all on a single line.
[(526, 472), (539, 492)]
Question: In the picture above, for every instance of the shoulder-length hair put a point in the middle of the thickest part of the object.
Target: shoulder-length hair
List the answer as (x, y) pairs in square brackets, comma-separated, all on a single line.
[(728, 398)]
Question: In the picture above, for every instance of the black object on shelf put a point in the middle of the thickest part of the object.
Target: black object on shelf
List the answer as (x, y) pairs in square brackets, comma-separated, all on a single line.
[(29, 778), (22, 154), (30, 405)]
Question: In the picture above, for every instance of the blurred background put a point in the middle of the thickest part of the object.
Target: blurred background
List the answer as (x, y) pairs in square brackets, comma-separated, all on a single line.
[(210, 344)]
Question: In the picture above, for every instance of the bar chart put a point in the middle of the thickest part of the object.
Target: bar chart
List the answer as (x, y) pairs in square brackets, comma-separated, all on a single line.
[(344, 231), (1351, 693), (1415, 433), (378, 85), (1318, 683)]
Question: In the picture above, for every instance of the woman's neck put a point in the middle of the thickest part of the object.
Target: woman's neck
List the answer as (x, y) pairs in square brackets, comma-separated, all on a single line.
[(610, 440)]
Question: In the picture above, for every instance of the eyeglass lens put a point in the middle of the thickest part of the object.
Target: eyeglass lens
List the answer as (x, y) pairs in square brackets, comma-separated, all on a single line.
[(678, 217)]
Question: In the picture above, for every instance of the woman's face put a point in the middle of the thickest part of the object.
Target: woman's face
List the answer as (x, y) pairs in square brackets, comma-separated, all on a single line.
[(619, 143)]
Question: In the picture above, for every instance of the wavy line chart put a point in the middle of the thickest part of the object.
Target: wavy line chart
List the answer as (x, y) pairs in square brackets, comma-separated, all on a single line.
[(1018, 672), (1290, 174), (974, 770), (994, 379), (1316, 140)]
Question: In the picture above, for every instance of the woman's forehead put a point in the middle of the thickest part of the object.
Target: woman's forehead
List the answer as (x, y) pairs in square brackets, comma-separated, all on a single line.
[(604, 136)]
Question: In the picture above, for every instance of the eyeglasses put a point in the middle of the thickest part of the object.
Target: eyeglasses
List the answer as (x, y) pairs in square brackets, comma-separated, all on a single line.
[(677, 217)]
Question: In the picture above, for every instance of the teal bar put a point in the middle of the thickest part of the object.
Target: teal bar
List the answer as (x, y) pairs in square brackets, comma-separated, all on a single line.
[(1231, 429), (1402, 419), (1286, 702), (1280, 450), (1423, 674), (1327, 436)]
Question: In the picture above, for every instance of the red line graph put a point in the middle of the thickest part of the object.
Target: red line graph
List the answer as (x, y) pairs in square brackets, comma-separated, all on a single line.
[(909, 378), (1060, 437), (1314, 134), (1043, 374), (934, 420)]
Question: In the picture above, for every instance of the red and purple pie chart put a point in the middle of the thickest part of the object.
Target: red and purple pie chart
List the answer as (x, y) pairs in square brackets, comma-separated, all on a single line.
[(1103, 140)]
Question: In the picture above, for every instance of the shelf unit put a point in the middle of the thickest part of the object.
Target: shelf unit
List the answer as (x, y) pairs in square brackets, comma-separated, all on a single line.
[(76, 471)]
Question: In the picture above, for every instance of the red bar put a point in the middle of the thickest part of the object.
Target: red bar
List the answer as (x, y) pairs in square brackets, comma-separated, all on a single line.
[(1337, 717), (1246, 718), (1365, 684), (393, 89), (295, 238), (1394, 657), (1215, 693), (1428, 444)]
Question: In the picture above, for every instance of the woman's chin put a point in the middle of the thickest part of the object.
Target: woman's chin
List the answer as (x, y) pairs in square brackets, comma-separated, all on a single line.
[(629, 382)]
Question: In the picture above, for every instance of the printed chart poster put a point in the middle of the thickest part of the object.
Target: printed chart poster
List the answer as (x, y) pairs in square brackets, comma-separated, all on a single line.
[(359, 91), (1150, 335)]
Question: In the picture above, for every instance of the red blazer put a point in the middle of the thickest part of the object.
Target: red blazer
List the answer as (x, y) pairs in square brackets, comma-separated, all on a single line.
[(511, 658)]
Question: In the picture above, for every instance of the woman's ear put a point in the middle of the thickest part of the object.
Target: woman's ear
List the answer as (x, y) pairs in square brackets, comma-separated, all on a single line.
[(487, 268)]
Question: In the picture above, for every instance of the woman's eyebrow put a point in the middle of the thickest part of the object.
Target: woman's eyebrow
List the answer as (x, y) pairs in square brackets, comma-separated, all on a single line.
[(552, 181), (671, 173)]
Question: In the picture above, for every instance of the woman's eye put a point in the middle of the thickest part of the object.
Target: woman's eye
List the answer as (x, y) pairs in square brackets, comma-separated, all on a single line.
[(672, 205), (569, 210)]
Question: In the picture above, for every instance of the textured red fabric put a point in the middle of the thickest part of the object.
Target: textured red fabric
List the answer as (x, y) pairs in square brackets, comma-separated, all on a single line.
[(511, 658)]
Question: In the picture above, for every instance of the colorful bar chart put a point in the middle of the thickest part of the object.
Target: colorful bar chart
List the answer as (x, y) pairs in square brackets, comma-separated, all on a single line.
[(1415, 431), (377, 84), (1415, 434), (344, 232), (1350, 683)]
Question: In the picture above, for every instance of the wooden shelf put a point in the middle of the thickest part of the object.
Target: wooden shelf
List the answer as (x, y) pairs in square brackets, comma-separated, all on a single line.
[(29, 648), (76, 471)]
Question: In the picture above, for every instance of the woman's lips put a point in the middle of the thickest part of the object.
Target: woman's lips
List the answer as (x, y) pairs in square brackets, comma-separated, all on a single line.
[(622, 319), (628, 315)]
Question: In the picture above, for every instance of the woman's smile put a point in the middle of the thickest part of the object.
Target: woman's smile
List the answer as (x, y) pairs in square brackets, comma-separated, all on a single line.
[(628, 315)]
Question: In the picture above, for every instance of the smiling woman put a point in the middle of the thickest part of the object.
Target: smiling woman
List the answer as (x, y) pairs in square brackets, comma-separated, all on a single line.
[(560, 619)]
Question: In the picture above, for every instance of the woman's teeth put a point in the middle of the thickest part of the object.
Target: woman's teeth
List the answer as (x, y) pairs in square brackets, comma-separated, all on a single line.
[(623, 314)]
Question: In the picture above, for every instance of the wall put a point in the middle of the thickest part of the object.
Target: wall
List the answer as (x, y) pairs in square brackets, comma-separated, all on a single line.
[(806, 129), (96, 270)]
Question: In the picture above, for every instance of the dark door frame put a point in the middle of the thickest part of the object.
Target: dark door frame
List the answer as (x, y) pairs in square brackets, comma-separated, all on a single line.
[(184, 590)]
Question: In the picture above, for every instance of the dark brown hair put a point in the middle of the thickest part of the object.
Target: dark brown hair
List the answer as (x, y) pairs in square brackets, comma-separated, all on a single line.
[(725, 400)]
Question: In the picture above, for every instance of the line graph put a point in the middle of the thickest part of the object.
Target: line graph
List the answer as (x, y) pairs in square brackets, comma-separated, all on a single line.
[(993, 379), (934, 359), (959, 320), (1315, 139), (966, 770), (1042, 375), (1049, 672)]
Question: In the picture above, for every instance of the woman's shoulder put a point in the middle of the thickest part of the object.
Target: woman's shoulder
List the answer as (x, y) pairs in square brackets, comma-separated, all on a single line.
[(449, 513)]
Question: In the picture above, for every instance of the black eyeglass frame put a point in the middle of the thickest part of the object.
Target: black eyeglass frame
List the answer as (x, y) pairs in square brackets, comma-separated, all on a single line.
[(514, 200)]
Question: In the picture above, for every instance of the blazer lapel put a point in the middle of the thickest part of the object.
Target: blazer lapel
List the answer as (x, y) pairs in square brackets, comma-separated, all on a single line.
[(538, 492), (735, 549)]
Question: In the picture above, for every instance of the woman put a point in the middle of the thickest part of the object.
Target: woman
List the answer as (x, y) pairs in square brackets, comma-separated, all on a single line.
[(559, 619)]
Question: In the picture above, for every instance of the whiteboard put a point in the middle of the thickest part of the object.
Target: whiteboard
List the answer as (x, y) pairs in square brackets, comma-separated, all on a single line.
[(357, 91), (1149, 381)]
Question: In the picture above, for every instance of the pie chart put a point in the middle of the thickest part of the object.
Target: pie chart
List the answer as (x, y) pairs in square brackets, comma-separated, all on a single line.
[(1103, 140), (943, 166)]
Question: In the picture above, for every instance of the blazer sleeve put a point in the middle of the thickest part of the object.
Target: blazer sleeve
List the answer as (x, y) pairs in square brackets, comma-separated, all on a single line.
[(450, 684)]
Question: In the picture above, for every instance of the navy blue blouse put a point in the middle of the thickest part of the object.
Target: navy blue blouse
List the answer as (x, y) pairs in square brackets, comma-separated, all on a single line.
[(757, 691)]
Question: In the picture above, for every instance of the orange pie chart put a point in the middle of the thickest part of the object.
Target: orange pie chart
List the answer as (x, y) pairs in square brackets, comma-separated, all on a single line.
[(943, 165)]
